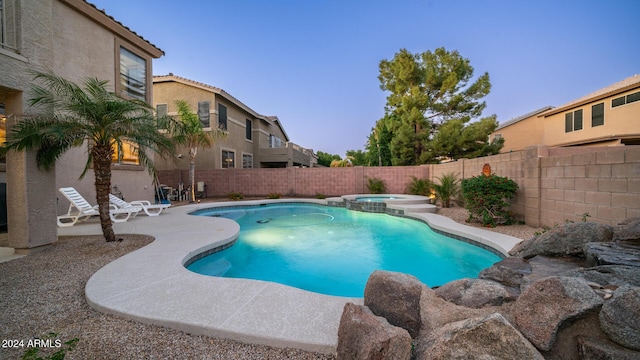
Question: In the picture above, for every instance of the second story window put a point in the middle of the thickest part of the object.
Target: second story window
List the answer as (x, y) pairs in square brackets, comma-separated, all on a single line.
[(8, 26), (597, 115), (248, 130), (573, 121), (133, 75), (203, 114), (222, 117)]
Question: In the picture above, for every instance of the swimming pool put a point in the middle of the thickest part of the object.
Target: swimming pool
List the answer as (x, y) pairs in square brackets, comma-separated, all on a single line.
[(333, 250)]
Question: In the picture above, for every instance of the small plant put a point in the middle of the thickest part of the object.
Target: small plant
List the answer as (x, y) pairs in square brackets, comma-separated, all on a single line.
[(485, 199), (64, 347), (419, 187), (447, 189), (320, 196), (376, 186), (274, 196), (235, 196), (585, 216)]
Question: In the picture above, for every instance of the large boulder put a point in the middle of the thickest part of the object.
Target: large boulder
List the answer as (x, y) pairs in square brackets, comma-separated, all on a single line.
[(489, 337), (608, 276), (510, 272), (565, 240), (592, 349), (628, 230), (620, 317), (551, 303), (436, 312), (396, 297), (612, 253), (475, 293), (364, 336)]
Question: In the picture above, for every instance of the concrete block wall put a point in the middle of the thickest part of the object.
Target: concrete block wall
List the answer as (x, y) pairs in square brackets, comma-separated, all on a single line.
[(555, 184)]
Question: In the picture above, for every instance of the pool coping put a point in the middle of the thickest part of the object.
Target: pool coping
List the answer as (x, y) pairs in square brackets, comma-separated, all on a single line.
[(152, 286)]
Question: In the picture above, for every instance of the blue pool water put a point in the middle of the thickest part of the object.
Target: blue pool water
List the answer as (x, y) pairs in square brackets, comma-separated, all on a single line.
[(333, 250)]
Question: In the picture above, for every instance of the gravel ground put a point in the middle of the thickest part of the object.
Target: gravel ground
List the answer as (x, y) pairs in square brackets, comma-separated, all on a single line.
[(44, 292)]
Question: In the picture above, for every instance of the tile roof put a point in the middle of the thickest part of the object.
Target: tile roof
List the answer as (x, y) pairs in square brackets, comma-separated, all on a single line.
[(268, 118), (124, 26), (525, 116), (613, 89)]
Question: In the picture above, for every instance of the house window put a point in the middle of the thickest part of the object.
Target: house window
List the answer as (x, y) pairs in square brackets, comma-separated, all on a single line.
[(133, 75), (568, 122), (248, 129), (597, 115), (228, 159), (222, 117), (577, 120), (3, 129), (162, 110), (8, 25), (247, 161), (203, 114), (2, 23), (625, 99), (633, 97), (126, 153), (573, 121)]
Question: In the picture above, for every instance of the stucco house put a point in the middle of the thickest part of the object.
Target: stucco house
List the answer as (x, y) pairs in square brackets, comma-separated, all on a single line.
[(609, 116), (75, 40), (253, 140)]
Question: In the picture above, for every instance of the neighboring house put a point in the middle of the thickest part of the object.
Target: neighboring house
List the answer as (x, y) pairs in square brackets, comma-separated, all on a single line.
[(252, 141), (609, 116), (521, 132), (75, 40)]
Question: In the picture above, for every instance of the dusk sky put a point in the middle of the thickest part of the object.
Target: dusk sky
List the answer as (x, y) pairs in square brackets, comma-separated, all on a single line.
[(314, 64)]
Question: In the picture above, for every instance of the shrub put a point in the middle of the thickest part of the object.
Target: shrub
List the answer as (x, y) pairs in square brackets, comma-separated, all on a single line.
[(320, 196), (376, 186), (448, 188), (485, 198), (419, 187), (235, 196), (274, 196)]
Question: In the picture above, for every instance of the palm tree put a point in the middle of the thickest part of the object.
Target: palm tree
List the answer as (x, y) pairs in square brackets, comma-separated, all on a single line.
[(71, 116), (188, 131), (447, 189), (346, 162)]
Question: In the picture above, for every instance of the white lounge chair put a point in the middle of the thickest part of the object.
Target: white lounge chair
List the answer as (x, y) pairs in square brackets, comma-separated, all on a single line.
[(81, 210), (148, 208)]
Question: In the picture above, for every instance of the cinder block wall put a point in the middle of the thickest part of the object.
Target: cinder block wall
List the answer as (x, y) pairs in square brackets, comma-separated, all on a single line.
[(555, 184)]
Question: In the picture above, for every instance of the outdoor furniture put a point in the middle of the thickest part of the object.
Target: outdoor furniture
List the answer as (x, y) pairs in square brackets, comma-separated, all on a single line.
[(81, 210), (146, 206)]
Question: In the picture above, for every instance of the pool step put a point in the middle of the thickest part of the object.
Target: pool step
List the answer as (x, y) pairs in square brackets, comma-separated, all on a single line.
[(217, 268), (414, 208)]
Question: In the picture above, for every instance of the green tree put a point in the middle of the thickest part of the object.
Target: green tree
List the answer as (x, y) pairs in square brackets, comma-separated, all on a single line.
[(188, 131), (359, 157), (377, 148), (71, 116), (325, 159), (426, 91), (455, 139)]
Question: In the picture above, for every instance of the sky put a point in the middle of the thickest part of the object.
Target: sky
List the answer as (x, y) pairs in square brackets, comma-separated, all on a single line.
[(314, 63)]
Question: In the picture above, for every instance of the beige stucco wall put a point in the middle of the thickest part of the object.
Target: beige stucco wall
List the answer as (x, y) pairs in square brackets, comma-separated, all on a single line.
[(520, 135), (55, 37), (167, 92), (90, 51), (619, 122)]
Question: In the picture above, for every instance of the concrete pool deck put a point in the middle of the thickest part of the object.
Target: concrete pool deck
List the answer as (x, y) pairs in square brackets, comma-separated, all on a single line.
[(151, 285)]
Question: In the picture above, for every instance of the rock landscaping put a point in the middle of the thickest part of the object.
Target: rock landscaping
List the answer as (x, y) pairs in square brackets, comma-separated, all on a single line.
[(572, 292)]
